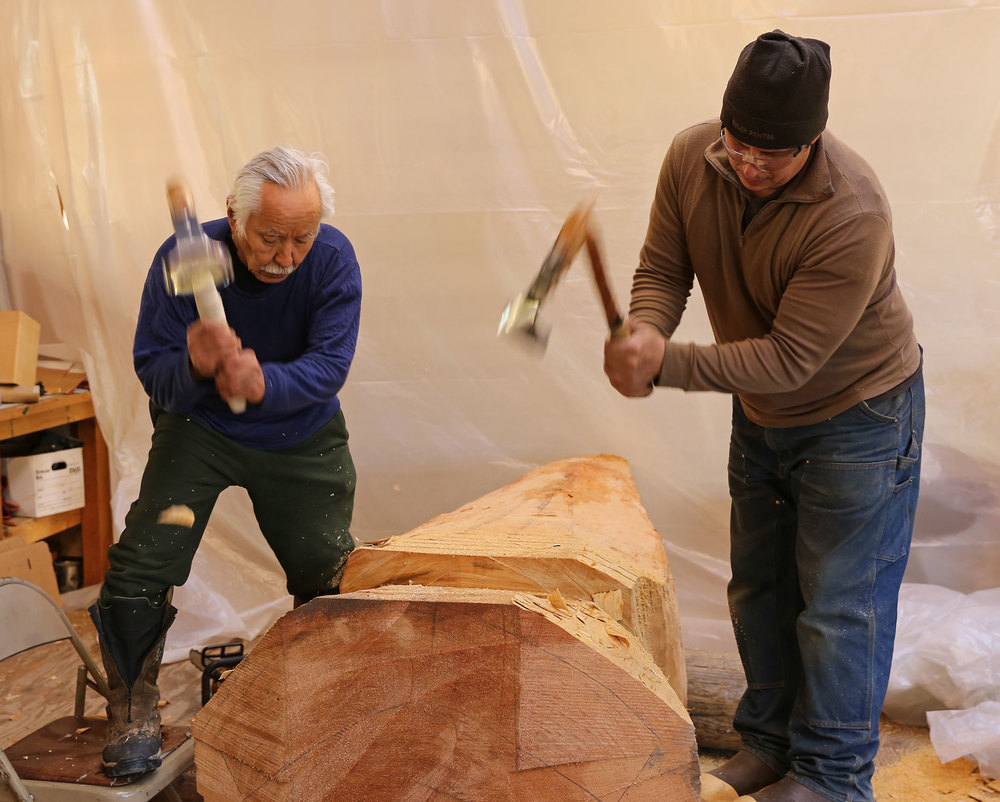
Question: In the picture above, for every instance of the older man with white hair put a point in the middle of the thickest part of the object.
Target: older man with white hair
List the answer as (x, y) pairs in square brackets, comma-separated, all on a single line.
[(293, 311)]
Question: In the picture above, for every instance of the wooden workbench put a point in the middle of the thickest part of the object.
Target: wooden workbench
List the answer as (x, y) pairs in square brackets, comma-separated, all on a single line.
[(94, 518)]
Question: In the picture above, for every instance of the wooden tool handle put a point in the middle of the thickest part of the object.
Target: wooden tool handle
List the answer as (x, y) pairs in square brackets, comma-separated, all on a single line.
[(574, 232), (182, 213), (179, 198), (620, 330), (616, 323), (209, 304)]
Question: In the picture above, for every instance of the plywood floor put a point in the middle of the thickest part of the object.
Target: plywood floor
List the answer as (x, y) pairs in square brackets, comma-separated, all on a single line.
[(35, 688)]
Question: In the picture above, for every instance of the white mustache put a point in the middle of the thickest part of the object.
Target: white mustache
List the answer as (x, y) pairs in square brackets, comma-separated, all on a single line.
[(277, 270)]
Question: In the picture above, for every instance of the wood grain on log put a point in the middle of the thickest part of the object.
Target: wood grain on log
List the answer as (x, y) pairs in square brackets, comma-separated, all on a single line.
[(715, 686), (576, 526), (426, 693)]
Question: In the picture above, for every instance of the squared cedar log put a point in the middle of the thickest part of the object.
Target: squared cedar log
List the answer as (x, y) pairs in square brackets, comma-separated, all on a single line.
[(576, 526), (425, 694)]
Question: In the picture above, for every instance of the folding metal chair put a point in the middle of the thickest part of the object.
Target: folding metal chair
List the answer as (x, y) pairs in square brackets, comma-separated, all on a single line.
[(61, 760)]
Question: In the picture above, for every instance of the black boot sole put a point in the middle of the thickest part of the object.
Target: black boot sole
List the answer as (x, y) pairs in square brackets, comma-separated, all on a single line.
[(133, 766)]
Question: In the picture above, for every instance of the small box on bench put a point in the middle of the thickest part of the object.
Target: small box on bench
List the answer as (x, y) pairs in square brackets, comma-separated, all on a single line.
[(46, 483), (19, 336)]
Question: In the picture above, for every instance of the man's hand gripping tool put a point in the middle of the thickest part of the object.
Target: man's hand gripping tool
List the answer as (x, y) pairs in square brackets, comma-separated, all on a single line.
[(199, 265)]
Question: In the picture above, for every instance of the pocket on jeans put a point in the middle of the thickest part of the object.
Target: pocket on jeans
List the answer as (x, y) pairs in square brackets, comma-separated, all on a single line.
[(898, 530), (884, 409)]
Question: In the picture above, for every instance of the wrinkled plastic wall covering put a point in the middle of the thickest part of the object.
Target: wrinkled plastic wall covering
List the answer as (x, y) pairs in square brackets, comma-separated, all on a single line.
[(459, 136)]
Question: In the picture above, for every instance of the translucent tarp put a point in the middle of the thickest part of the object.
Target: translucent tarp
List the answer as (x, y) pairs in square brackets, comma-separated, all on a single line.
[(459, 136), (946, 671)]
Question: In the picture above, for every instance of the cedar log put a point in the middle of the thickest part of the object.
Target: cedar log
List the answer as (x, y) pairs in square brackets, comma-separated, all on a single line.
[(524, 646), (427, 693), (715, 686), (576, 526)]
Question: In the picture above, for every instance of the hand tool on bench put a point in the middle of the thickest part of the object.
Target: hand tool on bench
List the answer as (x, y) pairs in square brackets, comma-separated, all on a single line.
[(198, 265), (521, 316)]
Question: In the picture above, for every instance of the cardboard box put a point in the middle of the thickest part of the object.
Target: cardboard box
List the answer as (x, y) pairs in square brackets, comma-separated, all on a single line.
[(19, 336), (47, 483), (31, 561)]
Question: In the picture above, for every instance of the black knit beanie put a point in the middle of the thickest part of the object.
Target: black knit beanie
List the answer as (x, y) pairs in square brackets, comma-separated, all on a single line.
[(777, 96)]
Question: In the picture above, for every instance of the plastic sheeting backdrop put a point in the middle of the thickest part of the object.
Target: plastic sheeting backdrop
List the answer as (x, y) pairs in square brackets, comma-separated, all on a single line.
[(459, 136)]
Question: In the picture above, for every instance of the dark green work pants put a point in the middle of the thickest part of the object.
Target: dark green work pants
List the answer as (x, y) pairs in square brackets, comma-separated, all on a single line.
[(303, 499)]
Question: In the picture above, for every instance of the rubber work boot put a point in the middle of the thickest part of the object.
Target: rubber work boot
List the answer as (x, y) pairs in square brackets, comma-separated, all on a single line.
[(743, 773), (131, 633), (785, 790)]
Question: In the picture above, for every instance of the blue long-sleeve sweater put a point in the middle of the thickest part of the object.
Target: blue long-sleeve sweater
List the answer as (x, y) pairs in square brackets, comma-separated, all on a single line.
[(304, 331)]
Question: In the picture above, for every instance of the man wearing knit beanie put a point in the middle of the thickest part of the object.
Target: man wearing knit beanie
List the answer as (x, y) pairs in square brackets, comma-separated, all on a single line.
[(788, 233)]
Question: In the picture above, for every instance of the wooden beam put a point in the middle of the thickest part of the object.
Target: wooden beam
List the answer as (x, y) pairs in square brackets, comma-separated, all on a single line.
[(576, 526), (433, 693), (715, 686)]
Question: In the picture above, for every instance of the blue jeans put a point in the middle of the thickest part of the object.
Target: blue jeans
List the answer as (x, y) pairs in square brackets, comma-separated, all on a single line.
[(821, 522)]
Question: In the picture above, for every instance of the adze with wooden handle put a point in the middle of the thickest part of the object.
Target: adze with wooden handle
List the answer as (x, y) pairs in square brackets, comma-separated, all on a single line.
[(521, 316)]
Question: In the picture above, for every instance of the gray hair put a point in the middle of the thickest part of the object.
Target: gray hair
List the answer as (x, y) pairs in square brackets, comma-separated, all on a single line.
[(281, 165)]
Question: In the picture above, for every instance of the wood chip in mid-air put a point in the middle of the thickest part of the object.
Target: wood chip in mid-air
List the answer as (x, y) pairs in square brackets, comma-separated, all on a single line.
[(177, 515)]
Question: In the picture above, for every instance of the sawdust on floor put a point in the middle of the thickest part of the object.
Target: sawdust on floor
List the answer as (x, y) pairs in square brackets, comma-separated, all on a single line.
[(909, 770), (921, 776)]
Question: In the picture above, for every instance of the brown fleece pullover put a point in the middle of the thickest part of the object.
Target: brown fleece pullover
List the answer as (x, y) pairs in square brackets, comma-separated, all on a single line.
[(807, 314)]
